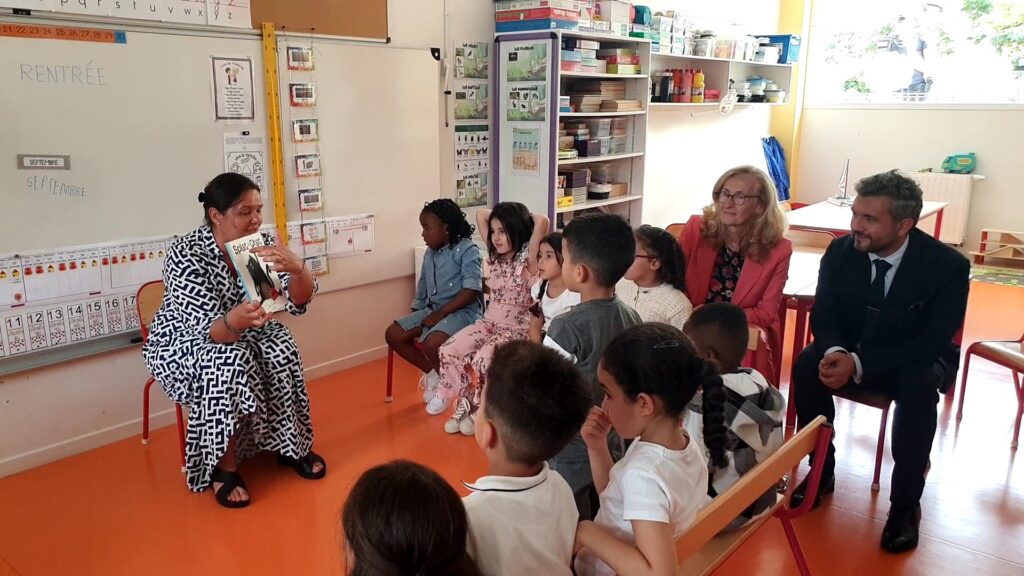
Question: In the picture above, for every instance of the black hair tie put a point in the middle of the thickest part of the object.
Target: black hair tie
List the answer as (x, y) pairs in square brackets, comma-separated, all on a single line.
[(202, 197)]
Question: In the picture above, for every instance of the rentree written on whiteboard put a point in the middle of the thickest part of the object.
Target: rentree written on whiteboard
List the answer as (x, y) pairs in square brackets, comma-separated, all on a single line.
[(56, 187), (87, 75)]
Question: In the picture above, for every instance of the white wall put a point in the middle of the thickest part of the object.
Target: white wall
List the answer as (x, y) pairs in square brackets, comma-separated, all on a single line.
[(878, 140)]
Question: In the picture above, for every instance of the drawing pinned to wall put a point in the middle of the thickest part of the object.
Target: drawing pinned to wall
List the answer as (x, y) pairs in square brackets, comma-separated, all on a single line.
[(472, 189), (350, 235), (528, 62), (471, 102), (318, 265), (310, 199), (307, 165), (300, 58), (233, 89), (526, 151), (244, 154), (471, 60), (305, 130), (302, 94), (527, 103)]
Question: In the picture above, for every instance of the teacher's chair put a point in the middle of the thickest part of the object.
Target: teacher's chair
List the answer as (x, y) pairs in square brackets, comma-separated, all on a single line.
[(148, 301)]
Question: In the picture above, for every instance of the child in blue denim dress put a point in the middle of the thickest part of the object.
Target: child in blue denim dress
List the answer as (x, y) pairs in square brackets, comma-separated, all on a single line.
[(448, 295)]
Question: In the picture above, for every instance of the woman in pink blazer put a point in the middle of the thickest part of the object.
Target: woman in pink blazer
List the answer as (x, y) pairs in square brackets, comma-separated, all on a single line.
[(736, 253)]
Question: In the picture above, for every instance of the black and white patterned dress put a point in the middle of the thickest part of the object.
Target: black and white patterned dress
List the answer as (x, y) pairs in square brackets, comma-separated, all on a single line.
[(255, 384)]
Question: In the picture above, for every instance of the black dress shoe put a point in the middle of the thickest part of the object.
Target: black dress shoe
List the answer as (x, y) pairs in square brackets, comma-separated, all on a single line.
[(825, 486), (901, 529)]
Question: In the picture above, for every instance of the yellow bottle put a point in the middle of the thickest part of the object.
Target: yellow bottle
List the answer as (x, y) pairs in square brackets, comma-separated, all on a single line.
[(698, 87)]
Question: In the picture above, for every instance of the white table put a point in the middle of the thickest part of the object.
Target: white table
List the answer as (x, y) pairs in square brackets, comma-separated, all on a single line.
[(827, 217)]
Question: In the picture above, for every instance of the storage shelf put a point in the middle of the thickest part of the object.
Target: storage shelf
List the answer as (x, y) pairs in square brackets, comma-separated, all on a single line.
[(596, 114), (715, 104), (599, 36), (606, 158), (602, 76), (713, 59), (598, 203)]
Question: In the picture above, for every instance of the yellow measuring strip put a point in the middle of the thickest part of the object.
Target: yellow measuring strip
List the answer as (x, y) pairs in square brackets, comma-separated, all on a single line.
[(273, 96)]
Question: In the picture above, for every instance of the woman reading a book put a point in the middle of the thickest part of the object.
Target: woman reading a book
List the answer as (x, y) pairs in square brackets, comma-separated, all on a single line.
[(736, 252), (219, 351)]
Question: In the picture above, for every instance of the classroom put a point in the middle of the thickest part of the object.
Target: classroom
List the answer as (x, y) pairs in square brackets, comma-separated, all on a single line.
[(471, 287)]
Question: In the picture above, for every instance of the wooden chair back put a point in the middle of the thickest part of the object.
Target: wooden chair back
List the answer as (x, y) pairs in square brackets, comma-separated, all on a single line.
[(690, 547), (148, 300)]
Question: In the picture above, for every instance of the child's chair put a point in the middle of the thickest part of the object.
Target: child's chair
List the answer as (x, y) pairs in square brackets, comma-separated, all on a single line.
[(388, 396), (705, 547), (1006, 353), (147, 302)]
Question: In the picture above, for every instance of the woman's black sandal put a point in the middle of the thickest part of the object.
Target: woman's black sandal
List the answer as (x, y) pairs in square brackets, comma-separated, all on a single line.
[(304, 466), (229, 481)]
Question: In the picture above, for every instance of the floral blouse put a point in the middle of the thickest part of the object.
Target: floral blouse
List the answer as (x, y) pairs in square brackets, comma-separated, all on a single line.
[(724, 275)]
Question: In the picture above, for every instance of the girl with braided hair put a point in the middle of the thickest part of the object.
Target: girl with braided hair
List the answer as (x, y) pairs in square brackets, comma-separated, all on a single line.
[(448, 294), (649, 374), (655, 284), (753, 410)]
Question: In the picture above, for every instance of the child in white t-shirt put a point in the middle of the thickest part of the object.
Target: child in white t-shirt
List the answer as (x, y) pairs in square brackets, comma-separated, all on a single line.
[(522, 515), (550, 295), (649, 374), (655, 285)]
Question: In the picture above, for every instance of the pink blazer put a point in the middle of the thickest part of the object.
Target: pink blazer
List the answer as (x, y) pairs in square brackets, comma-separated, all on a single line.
[(758, 291)]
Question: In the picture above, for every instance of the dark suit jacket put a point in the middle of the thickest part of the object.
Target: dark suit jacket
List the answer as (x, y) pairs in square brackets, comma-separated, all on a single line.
[(924, 308)]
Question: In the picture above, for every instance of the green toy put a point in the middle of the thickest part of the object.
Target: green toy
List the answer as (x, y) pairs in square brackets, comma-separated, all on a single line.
[(960, 163)]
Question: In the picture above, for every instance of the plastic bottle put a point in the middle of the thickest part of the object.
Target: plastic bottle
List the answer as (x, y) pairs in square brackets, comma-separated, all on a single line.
[(677, 81), (698, 87), (687, 85)]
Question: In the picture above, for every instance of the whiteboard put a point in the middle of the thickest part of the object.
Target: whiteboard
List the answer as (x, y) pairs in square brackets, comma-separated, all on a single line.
[(144, 143), (379, 124), (142, 146)]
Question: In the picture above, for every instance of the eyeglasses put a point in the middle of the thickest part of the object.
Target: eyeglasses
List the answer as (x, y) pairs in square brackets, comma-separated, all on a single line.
[(737, 199)]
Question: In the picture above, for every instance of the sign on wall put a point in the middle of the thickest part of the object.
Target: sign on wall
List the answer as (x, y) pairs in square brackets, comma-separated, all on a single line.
[(233, 13)]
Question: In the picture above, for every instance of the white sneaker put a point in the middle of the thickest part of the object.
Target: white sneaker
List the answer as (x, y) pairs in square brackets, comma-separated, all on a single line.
[(428, 383), (454, 424), (437, 405), (468, 425)]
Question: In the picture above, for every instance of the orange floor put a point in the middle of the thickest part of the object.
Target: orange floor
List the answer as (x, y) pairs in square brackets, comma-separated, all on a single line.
[(124, 509)]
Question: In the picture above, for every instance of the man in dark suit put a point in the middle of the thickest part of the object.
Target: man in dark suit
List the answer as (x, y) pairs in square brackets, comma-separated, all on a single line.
[(889, 300)]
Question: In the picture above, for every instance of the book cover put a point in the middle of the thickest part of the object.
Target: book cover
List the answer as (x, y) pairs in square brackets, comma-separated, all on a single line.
[(261, 284)]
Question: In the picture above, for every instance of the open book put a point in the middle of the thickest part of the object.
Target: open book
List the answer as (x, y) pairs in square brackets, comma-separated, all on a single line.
[(261, 284)]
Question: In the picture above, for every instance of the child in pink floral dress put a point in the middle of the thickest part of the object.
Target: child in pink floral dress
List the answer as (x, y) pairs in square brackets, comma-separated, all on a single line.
[(513, 238)]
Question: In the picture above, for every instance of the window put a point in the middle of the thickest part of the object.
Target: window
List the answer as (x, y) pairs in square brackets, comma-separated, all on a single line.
[(900, 51)]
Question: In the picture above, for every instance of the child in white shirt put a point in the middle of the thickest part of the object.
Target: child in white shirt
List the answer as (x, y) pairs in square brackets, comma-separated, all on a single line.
[(655, 284), (550, 295), (522, 515), (649, 498)]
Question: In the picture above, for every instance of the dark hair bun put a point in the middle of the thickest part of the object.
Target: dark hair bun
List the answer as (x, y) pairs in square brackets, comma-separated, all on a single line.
[(202, 197)]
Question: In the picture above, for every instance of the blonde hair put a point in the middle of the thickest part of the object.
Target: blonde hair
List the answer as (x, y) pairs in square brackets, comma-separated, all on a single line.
[(763, 232)]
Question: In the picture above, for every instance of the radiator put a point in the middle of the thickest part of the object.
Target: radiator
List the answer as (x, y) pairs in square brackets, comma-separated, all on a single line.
[(954, 189)]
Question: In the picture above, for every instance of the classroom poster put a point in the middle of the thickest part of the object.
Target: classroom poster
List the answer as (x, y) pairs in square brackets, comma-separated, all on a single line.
[(234, 13), (472, 164), (527, 102), (471, 60), (471, 101), (472, 189), (527, 62), (244, 154), (526, 151), (350, 235), (233, 89)]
